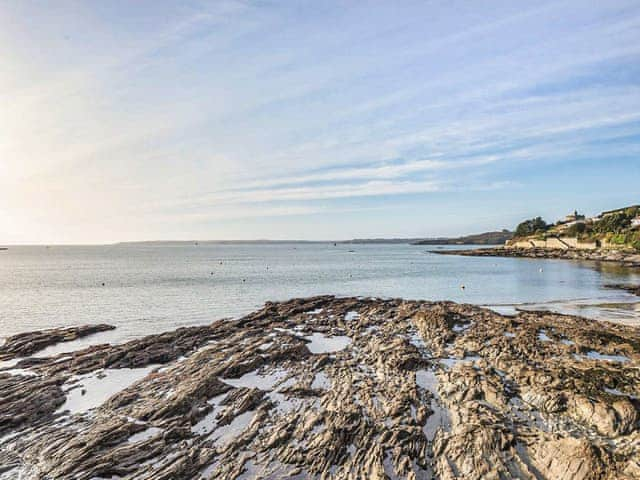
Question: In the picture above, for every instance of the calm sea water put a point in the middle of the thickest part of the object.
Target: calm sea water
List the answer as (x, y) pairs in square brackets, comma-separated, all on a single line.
[(148, 288)]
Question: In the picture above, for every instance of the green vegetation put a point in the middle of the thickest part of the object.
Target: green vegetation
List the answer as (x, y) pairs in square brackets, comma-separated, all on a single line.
[(616, 222), (576, 230), (616, 228), (530, 227), (630, 239)]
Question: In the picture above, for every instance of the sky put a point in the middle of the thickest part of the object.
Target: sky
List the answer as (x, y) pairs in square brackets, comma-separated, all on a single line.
[(158, 120)]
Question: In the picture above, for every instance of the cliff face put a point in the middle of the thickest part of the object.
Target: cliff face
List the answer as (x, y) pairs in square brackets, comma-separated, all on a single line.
[(340, 388)]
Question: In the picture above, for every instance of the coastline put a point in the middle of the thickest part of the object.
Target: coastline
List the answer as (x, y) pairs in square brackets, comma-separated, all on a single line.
[(326, 386), (631, 260)]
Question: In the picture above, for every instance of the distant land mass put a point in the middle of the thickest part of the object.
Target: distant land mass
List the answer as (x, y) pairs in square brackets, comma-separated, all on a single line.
[(216, 242), (382, 240), (486, 238), (266, 241)]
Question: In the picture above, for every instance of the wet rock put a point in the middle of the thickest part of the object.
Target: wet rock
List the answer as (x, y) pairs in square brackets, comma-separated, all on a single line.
[(24, 344), (27, 399), (339, 388), (622, 258)]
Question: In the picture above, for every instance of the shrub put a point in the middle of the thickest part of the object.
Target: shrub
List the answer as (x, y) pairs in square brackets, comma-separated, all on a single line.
[(529, 227), (576, 229), (619, 239), (615, 223)]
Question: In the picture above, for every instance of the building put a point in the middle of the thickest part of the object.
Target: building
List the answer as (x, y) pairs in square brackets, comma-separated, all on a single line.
[(571, 218), (635, 223)]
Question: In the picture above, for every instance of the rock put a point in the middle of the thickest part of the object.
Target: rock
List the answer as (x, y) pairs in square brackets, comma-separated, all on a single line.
[(27, 399), (24, 344), (631, 470), (595, 414), (627, 416), (343, 388), (598, 255), (572, 459)]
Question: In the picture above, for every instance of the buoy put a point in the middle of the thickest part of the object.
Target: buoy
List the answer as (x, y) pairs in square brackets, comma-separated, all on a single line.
[(540, 270), (462, 287)]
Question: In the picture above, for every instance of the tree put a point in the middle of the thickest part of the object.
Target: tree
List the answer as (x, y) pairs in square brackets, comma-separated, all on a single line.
[(576, 229), (613, 223), (529, 227)]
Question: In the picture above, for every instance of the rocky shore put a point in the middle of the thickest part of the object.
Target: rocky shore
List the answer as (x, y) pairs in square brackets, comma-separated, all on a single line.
[(619, 257), (28, 343), (333, 388)]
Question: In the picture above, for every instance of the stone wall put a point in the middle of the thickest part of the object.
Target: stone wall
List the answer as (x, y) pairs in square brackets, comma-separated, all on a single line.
[(555, 243), (575, 243), (519, 244)]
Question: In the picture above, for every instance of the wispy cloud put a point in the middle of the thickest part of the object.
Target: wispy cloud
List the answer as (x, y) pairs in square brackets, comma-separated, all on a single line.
[(388, 170), (236, 110)]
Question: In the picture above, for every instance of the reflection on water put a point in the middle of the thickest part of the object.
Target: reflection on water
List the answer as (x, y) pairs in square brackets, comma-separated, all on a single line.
[(320, 343), (608, 268), (154, 287), (92, 390), (627, 312)]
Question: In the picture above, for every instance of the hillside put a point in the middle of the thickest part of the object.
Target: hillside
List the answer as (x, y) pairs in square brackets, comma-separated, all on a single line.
[(613, 229), (486, 238)]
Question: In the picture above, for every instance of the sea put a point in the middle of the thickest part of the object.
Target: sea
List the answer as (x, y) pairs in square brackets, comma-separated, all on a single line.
[(145, 288)]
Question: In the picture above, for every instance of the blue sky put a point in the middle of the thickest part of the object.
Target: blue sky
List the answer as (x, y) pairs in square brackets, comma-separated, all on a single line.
[(312, 120)]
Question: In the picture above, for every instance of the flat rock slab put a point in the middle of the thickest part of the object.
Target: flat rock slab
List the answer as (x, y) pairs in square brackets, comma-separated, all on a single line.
[(336, 388), (24, 344)]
